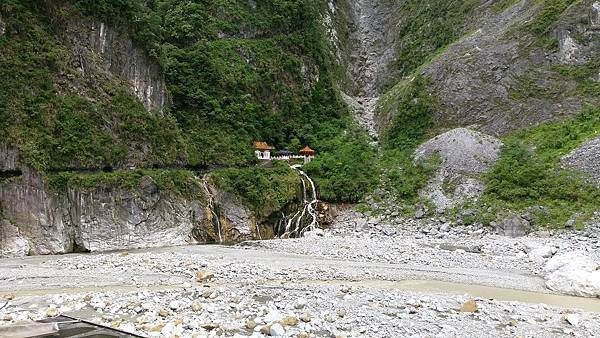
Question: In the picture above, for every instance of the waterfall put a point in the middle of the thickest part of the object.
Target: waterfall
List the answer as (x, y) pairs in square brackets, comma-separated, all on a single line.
[(294, 226), (211, 206)]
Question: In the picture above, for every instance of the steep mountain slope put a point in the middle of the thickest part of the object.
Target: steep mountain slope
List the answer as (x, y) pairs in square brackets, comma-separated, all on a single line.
[(529, 63), (500, 67), (98, 98), (109, 110)]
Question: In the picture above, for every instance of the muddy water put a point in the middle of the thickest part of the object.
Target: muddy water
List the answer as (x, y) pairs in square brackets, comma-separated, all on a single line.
[(488, 292)]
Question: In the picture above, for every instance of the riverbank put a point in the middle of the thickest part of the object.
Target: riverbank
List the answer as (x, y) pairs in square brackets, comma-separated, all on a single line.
[(357, 280)]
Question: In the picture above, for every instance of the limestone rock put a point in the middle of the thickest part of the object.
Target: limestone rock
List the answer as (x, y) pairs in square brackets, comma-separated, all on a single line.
[(197, 306), (290, 321), (251, 324), (306, 317), (573, 319), (514, 226), (585, 158), (469, 306), (202, 276), (276, 330), (573, 273)]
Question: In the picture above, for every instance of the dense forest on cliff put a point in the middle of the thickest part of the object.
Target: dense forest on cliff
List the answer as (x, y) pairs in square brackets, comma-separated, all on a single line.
[(232, 72), (235, 72)]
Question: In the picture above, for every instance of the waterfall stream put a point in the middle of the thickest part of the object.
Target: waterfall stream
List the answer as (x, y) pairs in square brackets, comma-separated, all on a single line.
[(305, 218), (211, 206)]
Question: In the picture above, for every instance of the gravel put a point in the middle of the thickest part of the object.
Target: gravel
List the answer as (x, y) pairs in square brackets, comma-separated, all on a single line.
[(325, 286)]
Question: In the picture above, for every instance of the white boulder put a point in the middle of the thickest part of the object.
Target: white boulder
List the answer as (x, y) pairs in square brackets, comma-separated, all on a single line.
[(541, 253), (573, 273)]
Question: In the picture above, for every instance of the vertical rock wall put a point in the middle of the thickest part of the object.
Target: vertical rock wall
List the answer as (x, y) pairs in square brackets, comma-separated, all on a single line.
[(101, 49), (36, 220)]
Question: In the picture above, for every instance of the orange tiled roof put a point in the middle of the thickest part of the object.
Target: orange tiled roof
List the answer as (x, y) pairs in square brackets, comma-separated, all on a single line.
[(262, 146), (307, 150)]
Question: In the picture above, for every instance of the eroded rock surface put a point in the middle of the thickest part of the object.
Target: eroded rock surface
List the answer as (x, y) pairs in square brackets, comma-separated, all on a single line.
[(2, 26), (36, 219), (103, 51), (585, 158), (371, 49), (463, 154), (574, 273)]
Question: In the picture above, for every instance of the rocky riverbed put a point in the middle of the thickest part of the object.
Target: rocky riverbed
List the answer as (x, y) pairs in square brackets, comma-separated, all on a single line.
[(344, 282)]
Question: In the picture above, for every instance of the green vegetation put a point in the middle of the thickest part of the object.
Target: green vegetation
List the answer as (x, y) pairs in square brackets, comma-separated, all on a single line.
[(179, 182), (235, 71), (528, 174), (266, 190), (583, 75), (549, 14), (57, 128), (347, 168), (432, 25), (412, 109), (502, 5), (235, 74)]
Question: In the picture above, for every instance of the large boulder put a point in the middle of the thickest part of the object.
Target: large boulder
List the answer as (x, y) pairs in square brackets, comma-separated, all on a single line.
[(574, 273), (513, 226), (463, 154), (585, 158)]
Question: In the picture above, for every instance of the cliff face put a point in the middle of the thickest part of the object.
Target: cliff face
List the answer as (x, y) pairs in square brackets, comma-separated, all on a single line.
[(513, 68), (102, 50), (364, 51), (36, 219)]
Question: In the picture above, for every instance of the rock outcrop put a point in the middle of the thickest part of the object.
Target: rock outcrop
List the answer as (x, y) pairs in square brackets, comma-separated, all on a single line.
[(463, 154), (369, 50), (2, 26), (102, 52), (479, 77), (37, 220), (502, 76), (573, 273), (585, 158), (236, 222)]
